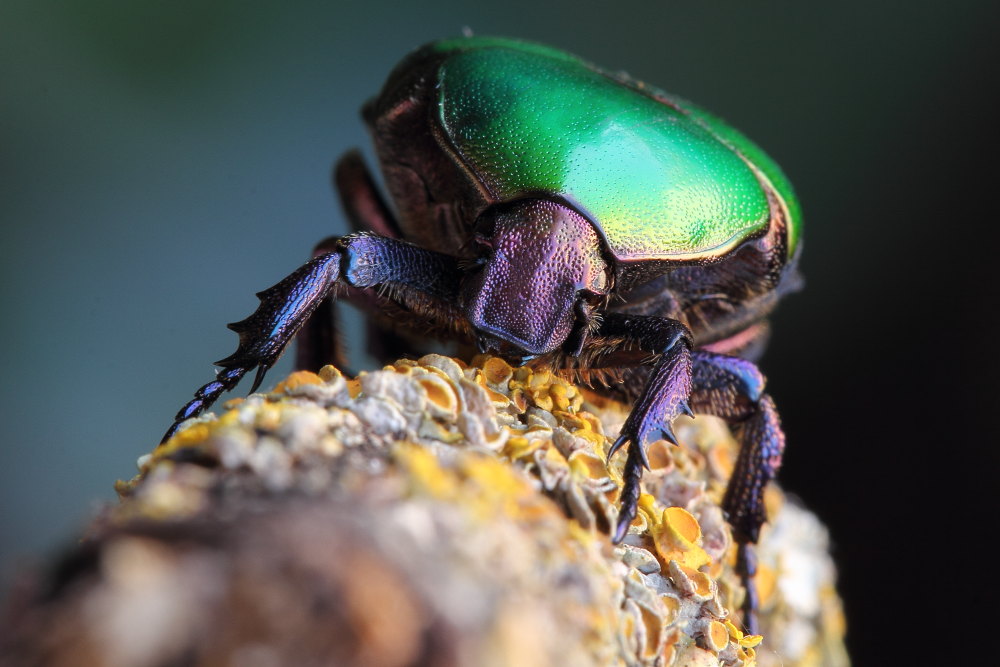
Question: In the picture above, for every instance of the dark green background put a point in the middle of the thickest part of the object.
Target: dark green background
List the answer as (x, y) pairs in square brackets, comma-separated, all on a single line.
[(162, 161)]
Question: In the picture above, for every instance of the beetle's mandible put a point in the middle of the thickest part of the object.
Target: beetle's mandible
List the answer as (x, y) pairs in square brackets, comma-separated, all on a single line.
[(548, 209)]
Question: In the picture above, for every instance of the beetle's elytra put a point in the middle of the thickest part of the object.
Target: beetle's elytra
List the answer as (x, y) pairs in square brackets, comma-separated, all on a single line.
[(548, 209)]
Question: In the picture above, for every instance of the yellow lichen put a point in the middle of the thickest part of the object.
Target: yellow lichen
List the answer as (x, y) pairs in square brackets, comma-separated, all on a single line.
[(498, 399), (441, 395), (671, 606), (653, 625), (553, 455), (766, 581), (330, 373), (695, 656), (546, 391), (647, 513), (497, 372), (717, 636), (676, 535), (587, 464), (297, 379), (268, 417), (692, 582), (426, 472), (517, 447), (658, 455), (535, 421), (189, 437), (744, 640)]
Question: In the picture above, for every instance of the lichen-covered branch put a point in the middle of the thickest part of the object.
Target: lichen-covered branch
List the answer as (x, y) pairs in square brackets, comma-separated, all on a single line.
[(430, 513)]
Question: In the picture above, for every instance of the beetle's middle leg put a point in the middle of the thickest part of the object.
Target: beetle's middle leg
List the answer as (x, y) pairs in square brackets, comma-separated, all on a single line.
[(733, 389), (421, 281), (318, 343)]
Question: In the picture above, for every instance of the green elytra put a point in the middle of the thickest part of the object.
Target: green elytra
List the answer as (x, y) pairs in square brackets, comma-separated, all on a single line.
[(662, 178)]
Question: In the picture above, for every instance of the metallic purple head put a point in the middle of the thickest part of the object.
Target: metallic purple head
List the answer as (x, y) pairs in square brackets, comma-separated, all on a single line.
[(544, 257)]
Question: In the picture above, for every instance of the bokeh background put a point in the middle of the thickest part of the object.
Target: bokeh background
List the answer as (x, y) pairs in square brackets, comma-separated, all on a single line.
[(162, 161)]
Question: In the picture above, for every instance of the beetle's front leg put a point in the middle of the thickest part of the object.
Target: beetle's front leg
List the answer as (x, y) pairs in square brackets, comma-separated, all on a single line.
[(733, 388), (419, 278), (664, 397)]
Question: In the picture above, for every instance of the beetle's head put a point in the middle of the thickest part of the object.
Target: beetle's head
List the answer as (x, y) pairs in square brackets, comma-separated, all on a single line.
[(542, 267)]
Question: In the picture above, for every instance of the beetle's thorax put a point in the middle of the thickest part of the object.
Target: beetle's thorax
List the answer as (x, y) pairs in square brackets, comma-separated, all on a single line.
[(542, 266)]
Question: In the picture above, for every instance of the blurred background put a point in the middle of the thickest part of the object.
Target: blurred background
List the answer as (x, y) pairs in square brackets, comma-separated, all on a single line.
[(162, 161)]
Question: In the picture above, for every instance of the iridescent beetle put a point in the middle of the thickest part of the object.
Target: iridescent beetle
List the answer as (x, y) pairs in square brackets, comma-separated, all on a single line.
[(547, 209)]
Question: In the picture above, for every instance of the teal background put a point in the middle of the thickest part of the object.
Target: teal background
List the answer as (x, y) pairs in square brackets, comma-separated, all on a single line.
[(162, 161)]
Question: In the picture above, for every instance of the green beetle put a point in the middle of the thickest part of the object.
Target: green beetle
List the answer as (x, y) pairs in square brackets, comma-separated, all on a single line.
[(549, 210)]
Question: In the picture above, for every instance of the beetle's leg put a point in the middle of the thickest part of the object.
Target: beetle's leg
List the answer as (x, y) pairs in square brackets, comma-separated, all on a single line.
[(733, 388), (366, 211), (663, 398), (318, 343), (364, 206), (422, 281)]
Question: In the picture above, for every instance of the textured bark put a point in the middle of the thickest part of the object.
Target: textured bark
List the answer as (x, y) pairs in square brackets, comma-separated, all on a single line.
[(426, 514)]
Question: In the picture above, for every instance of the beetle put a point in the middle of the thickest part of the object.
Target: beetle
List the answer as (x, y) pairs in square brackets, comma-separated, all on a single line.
[(549, 210)]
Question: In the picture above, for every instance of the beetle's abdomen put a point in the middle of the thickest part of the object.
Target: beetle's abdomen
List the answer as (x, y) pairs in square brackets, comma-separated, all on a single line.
[(657, 183)]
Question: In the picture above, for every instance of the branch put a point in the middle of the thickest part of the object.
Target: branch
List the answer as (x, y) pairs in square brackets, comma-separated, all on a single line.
[(426, 514)]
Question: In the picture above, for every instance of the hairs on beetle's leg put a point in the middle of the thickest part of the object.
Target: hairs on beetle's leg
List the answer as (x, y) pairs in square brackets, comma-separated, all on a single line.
[(733, 388)]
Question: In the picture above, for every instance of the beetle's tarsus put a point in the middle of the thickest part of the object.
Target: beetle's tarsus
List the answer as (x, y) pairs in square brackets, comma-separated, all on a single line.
[(761, 445), (746, 568), (205, 396), (631, 478)]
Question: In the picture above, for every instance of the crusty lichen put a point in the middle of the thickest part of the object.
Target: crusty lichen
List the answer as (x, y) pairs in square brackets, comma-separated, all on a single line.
[(464, 512)]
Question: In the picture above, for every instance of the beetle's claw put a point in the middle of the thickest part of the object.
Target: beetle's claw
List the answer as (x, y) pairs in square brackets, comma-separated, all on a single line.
[(667, 430), (259, 377), (626, 438), (618, 444), (621, 530), (643, 458)]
